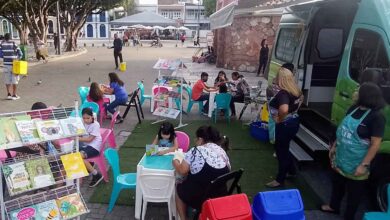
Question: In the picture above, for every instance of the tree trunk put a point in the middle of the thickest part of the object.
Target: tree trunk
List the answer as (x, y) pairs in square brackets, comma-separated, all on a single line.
[(71, 40)]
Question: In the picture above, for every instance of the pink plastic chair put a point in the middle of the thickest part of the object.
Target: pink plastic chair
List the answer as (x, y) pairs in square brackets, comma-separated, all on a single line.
[(183, 139), (102, 109), (157, 91), (3, 155), (100, 160), (111, 137)]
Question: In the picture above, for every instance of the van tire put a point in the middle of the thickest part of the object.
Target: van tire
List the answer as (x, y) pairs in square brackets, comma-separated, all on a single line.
[(381, 194)]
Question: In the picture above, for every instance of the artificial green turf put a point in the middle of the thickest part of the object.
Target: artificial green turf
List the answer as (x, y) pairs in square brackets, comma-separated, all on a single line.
[(253, 156)]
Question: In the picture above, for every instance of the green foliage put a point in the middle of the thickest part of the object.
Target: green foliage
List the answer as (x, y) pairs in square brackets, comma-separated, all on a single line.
[(209, 7)]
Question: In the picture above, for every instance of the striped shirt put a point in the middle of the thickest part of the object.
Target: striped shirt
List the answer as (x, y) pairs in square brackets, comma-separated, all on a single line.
[(10, 52)]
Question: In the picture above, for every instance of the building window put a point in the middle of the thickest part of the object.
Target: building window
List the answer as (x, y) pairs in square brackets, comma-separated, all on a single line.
[(368, 51), (164, 13), (89, 18), (287, 43), (102, 16), (89, 30), (51, 27), (5, 27), (329, 48), (103, 30)]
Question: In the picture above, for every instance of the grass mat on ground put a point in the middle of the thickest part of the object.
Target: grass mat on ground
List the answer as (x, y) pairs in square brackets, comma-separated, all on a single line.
[(254, 157)]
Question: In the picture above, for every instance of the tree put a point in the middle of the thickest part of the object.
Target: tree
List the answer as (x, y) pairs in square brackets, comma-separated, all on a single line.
[(11, 13), (209, 7), (128, 6), (74, 13)]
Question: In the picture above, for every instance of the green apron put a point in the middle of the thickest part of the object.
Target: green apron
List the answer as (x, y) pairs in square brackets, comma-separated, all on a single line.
[(350, 148)]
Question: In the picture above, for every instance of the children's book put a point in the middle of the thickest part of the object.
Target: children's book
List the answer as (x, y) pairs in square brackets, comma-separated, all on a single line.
[(73, 126), (41, 211), (74, 166), (49, 130), (40, 173), (166, 112), (27, 132), (16, 177), (9, 135), (71, 206), (151, 149)]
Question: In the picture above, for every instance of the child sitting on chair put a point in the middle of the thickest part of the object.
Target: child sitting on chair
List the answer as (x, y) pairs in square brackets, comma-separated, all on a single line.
[(90, 144), (166, 137)]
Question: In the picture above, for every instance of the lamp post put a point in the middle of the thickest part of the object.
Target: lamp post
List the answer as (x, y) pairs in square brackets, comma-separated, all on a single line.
[(198, 17), (58, 29)]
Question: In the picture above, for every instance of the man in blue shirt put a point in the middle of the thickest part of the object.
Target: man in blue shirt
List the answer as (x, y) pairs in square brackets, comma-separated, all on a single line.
[(10, 52), (117, 50)]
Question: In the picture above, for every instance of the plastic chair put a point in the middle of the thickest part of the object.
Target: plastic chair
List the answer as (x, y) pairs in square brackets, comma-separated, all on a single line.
[(111, 137), (178, 100), (380, 215), (222, 103), (143, 96), (92, 105), (99, 160), (121, 181), (158, 90), (157, 187), (83, 93), (183, 139), (190, 101)]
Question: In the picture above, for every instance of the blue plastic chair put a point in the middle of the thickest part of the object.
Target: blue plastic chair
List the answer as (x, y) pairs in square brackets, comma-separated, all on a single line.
[(177, 100), (92, 105), (222, 101), (143, 96), (190, 101), (83, 93), (121, 181), (380, 215)]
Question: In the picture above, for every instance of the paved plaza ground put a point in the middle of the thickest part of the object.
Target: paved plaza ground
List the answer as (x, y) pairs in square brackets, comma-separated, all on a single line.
[(56, 83)]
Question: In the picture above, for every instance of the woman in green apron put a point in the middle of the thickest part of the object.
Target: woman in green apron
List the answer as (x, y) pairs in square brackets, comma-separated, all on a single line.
[(284, 123), (358, 138)]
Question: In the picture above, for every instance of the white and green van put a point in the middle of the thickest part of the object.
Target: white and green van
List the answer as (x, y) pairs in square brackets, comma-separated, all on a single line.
[(330, 43)]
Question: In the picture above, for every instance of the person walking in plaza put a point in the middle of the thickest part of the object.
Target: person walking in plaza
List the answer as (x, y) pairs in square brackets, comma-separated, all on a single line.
[(56, 43), (182, 38), (358, 139), (117, 50), (42, 52), (283, 108), (198, 93), (263, 58), (10, 52)]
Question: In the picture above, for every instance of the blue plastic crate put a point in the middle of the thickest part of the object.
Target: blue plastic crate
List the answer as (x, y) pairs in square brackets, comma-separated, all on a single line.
[(259, 131), (278, 205)]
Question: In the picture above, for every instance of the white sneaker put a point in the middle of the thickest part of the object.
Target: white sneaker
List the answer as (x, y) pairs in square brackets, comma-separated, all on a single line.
[(9, 97), (15, 97)]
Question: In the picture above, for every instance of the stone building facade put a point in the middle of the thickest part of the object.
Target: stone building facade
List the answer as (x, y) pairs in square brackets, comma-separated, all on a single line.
[(238, 46)]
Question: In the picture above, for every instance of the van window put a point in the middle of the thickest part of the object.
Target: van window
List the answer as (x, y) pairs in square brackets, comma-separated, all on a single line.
[(368, 51), (288, 41), (330, 42)]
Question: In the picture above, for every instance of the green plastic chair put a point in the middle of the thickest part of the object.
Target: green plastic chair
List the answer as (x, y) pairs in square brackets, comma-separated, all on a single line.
[(380, 215), (83, 93), (120, 181), (190, 101), (222, 101), (92, 105), (143, 96)]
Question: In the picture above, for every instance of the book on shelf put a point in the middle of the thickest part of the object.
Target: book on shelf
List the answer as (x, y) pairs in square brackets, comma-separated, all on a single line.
[(41, 211), (71, 206), (73, 126), (27, 131), (74, 166), (17, 177), (9, 135), (49, 130), (151, 149), (40, 173)]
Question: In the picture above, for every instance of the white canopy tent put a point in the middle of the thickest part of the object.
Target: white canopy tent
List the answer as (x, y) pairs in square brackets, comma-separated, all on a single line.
[(170, 28)]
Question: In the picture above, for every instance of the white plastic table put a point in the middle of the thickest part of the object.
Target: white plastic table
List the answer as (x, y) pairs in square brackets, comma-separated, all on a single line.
[(151, 165)]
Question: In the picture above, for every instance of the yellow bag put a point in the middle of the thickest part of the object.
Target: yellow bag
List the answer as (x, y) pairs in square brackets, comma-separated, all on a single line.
[(122, 67), (19, 67), (264, 115)]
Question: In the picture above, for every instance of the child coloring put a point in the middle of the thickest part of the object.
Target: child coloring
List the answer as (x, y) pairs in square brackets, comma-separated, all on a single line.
[(90, 144), (166, 137)]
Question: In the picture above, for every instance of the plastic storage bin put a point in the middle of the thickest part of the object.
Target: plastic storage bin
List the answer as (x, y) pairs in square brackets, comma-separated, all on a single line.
[(19, 67), (122, 67), (234, 207), (259, 131), (278, 205)]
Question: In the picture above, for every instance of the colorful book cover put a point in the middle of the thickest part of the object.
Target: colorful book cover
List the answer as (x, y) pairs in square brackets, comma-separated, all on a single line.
[(27, 132), (9, 135), (40, 173), (42, 211), (73, 126), (49, 130), (71, 206), (74, 166), (151, 149), (16, 177)]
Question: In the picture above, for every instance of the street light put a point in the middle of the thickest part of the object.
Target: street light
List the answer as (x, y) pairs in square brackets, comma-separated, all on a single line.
[(198, 17), (58, 29)]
